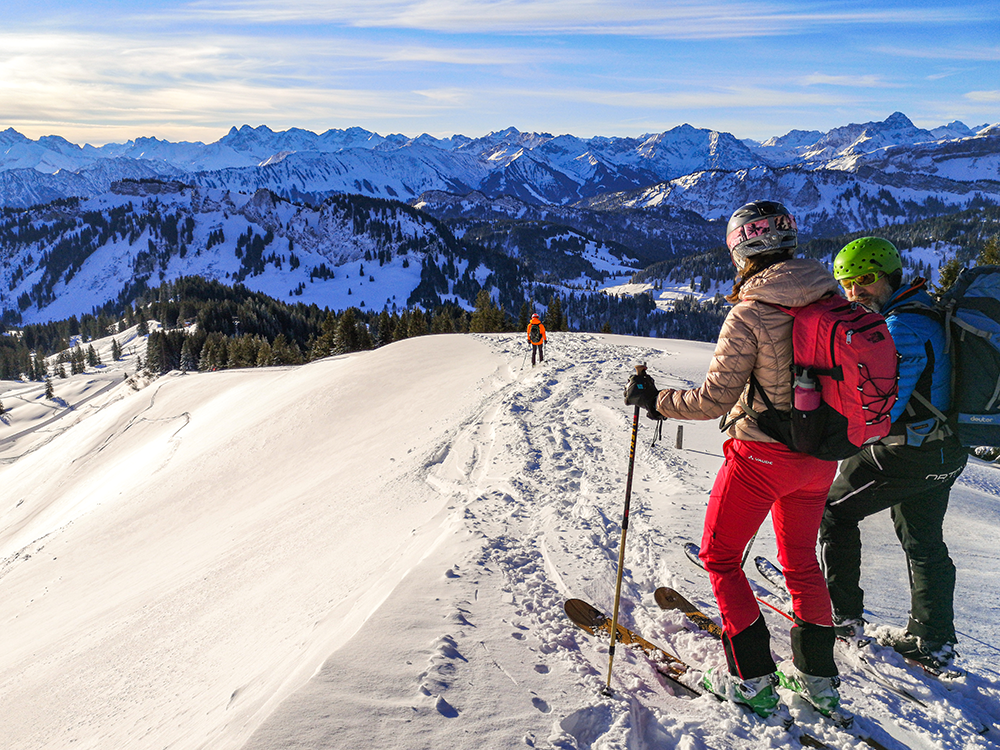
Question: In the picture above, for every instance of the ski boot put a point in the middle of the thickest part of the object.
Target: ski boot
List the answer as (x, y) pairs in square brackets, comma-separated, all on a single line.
[(937, 656), (851, 630), (758, 693), (821, 692)]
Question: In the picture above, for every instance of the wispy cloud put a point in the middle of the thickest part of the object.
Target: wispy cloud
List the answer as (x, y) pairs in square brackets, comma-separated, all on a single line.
[(851, 81), (989, 97), (685, 19), (988, 53)]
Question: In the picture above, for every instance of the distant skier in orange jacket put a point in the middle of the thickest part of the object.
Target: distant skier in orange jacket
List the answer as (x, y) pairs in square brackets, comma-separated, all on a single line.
[(536, 337)]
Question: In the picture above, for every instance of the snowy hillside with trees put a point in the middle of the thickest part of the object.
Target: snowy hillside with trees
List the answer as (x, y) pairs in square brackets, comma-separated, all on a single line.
[(373, 550)]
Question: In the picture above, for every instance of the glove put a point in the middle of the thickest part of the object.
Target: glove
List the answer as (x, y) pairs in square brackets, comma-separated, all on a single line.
[(641, 391)]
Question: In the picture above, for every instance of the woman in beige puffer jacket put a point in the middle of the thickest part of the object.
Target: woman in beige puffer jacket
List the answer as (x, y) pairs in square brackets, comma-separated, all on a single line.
[(761, 475)]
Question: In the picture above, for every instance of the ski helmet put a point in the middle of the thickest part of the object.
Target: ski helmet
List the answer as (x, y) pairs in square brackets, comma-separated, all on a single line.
[(757, 228), (865, 255)]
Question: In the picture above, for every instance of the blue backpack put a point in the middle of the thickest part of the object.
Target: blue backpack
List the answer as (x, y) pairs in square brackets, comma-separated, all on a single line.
[(970, 311)]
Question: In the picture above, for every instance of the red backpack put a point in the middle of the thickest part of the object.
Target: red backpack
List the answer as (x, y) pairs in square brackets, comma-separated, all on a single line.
[(844, 374)]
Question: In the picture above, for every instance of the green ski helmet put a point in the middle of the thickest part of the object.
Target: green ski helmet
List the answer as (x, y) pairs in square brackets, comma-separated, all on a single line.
[(865, 255)]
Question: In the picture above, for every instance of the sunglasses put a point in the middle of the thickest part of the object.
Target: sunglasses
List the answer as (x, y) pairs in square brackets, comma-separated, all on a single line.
[(865, 279)]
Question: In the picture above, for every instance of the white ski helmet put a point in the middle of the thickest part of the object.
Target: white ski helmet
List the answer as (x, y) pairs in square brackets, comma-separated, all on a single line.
[(757, 228)]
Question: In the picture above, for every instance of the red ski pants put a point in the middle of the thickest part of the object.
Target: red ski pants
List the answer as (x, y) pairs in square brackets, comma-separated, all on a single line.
[(757, 478)]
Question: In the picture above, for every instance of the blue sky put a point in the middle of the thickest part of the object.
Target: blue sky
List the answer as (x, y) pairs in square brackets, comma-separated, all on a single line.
[(99, 71)]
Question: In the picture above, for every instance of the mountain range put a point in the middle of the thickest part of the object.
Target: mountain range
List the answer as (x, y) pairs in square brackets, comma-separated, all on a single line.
[(299, 214), (538, 168)]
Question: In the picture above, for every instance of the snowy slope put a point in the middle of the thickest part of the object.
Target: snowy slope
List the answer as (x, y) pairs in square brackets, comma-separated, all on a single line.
[(373, 551)]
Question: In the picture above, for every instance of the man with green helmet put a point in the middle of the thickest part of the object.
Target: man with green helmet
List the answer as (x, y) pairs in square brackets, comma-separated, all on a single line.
[(910, 472)]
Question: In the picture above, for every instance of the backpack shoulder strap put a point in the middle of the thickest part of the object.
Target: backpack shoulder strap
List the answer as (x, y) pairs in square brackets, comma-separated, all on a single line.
[(747, 406)]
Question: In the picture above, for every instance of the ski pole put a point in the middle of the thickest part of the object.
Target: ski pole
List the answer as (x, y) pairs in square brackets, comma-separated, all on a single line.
[(639, 369)]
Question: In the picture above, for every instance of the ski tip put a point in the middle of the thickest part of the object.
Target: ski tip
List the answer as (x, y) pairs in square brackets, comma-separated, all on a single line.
[(667, 598), (583, 614)]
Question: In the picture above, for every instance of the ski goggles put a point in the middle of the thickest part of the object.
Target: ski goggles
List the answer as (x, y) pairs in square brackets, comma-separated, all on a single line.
[(865, 279)]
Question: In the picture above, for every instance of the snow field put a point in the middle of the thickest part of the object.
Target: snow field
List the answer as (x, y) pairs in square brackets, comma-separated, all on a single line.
[(373, 551)]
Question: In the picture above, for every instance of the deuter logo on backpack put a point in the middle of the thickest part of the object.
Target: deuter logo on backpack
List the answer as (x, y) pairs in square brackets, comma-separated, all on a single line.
[(844, 375)]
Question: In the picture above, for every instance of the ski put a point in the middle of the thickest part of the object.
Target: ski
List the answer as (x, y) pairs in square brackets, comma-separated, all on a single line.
[(670, 599), (692, 550), (771, 573), (590, 619)]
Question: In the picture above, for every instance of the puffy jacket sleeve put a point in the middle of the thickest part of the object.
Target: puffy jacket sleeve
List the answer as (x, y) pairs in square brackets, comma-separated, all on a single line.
[(728, 374)]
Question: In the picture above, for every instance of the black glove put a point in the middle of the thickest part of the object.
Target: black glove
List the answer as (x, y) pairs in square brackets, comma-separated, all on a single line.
[(641, 391)]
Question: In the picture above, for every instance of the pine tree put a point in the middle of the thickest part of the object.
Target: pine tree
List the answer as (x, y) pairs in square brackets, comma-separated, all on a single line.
[(156, 359), (322, 345), (990, 254), (949, 275), (78, 363), (402, 328), (265, 355), (49, 393), (383, 329), (418, 324), (522, 317), (285, 352), (554, 315), (206, 363), (346, 339), (188, 363), (485, 317)]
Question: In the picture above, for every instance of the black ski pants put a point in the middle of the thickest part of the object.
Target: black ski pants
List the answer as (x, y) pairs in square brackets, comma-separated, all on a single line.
[(914, 483), (541, 354)]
